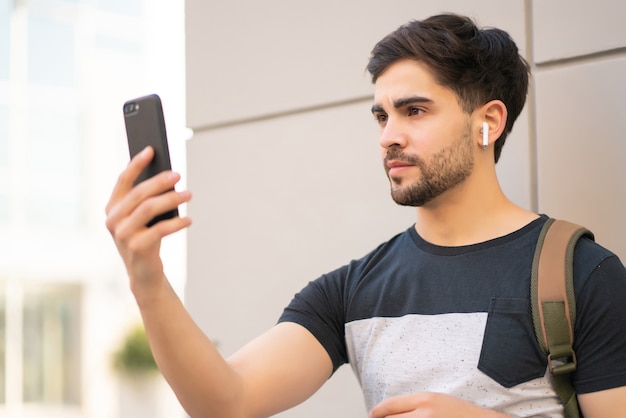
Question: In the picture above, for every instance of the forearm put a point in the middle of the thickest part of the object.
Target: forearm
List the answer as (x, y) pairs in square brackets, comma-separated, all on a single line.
[(432, 405), (203, 381)]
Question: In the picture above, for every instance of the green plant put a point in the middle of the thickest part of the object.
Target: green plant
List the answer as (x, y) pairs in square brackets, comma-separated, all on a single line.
[(135, 356)]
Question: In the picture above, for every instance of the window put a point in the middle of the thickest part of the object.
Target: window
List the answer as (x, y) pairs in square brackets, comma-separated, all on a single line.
[(2, 345), (50, 52), (122, 7), (51, 344), (4, 208), (66, 68), (46, 359), (5, 28), (50, 2), (4, 136), (4, 163), (53, 176)]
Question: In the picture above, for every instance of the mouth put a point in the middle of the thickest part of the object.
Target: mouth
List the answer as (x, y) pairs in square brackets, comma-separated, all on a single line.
[(397, 163), (396, 167)]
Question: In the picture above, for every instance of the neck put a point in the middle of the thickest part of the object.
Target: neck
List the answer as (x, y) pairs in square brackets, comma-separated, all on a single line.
[(474, 211)]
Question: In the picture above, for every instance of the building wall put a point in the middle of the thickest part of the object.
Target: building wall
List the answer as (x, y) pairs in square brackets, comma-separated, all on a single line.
[(66, 68), (580, 118), (284, 162)]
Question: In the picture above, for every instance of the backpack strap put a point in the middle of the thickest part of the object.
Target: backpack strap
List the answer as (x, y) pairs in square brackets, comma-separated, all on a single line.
[(554, 306)]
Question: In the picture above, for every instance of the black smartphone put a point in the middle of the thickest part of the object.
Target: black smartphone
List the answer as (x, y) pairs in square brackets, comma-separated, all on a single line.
[(145, 125)]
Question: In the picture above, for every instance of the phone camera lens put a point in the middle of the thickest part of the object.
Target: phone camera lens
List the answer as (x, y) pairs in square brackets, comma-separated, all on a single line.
[(129, 108)]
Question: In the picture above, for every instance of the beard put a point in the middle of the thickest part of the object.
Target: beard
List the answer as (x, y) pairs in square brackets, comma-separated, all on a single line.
[(445, 169)]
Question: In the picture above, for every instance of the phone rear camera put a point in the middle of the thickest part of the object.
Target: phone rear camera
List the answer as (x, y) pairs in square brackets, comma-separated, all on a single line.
[(130, 108)]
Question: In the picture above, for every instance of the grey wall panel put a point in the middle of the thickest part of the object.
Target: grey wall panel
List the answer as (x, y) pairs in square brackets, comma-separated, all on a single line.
[(251, 58), (514, 168), (569, 28), (279, 201), (581, 126), (276, 204)]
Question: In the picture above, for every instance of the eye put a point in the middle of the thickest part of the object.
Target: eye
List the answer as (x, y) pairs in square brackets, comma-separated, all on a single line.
[(415, 111), (380, 117)]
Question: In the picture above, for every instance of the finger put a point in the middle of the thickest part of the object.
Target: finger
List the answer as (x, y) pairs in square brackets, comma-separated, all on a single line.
[(155, 206), (147, 238), (169, 226), (155, 186), (126, 180), (127, 224), (392, 407)]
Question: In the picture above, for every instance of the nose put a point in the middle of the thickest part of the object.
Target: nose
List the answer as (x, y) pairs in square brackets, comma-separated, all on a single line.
[(392, 134)]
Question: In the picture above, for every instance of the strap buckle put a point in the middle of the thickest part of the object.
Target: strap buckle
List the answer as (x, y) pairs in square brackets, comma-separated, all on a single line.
[(562, 364)]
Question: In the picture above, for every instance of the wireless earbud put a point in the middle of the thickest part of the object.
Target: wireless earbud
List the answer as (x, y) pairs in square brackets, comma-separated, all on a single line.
[(485, 132)]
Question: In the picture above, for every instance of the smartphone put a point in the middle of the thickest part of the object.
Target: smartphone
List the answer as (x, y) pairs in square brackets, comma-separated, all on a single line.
[(145, 125)]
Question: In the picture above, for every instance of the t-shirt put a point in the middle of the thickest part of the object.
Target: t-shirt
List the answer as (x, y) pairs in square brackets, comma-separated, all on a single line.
[(415, 317)]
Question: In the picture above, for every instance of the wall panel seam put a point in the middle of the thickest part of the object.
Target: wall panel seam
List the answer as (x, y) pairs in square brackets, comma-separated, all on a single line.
[(532, 112), (281, 114), (582, 59)]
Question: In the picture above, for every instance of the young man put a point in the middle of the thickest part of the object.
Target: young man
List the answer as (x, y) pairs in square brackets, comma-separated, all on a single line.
[(435, 322)]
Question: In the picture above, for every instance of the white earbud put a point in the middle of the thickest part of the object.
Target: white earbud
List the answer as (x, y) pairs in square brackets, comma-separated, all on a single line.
[(485, 132)]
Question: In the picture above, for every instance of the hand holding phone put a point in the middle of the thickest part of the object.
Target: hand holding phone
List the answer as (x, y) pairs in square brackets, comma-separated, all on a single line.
[(145, 125)]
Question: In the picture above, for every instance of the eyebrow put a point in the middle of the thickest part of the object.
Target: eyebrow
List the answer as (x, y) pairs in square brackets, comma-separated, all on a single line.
[(405, 101)]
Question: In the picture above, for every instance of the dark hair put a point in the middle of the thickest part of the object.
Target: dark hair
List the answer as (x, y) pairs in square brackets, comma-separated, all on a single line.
[(479, 65)]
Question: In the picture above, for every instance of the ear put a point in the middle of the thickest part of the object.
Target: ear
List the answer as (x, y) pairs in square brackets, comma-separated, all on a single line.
[(494, 113)]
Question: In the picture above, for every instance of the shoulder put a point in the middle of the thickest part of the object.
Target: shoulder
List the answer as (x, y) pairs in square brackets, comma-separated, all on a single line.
[(386, 253), (334, 284), (396, 247), (589, 256), (600, 335), (332, 288), (592, 261)]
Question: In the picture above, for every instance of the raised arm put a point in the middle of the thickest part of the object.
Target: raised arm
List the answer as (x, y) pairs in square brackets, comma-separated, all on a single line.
[(605, 403), (277, 370)]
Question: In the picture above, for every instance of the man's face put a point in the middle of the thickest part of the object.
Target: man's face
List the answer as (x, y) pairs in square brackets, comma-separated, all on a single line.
[(425, 136)]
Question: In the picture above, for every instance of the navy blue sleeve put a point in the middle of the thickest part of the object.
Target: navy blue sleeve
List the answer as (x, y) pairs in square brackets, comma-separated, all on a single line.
[(600, 335), (319, 308)]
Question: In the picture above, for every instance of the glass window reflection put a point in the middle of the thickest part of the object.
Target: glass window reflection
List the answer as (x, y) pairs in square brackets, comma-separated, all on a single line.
[(50, 52), (5, 38)]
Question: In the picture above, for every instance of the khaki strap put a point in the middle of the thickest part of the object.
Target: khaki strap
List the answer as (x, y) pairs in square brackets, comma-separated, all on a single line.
[(554, 305)]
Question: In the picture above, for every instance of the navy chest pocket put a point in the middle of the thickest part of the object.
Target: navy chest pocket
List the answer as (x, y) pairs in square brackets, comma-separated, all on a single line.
[(510, 354)]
